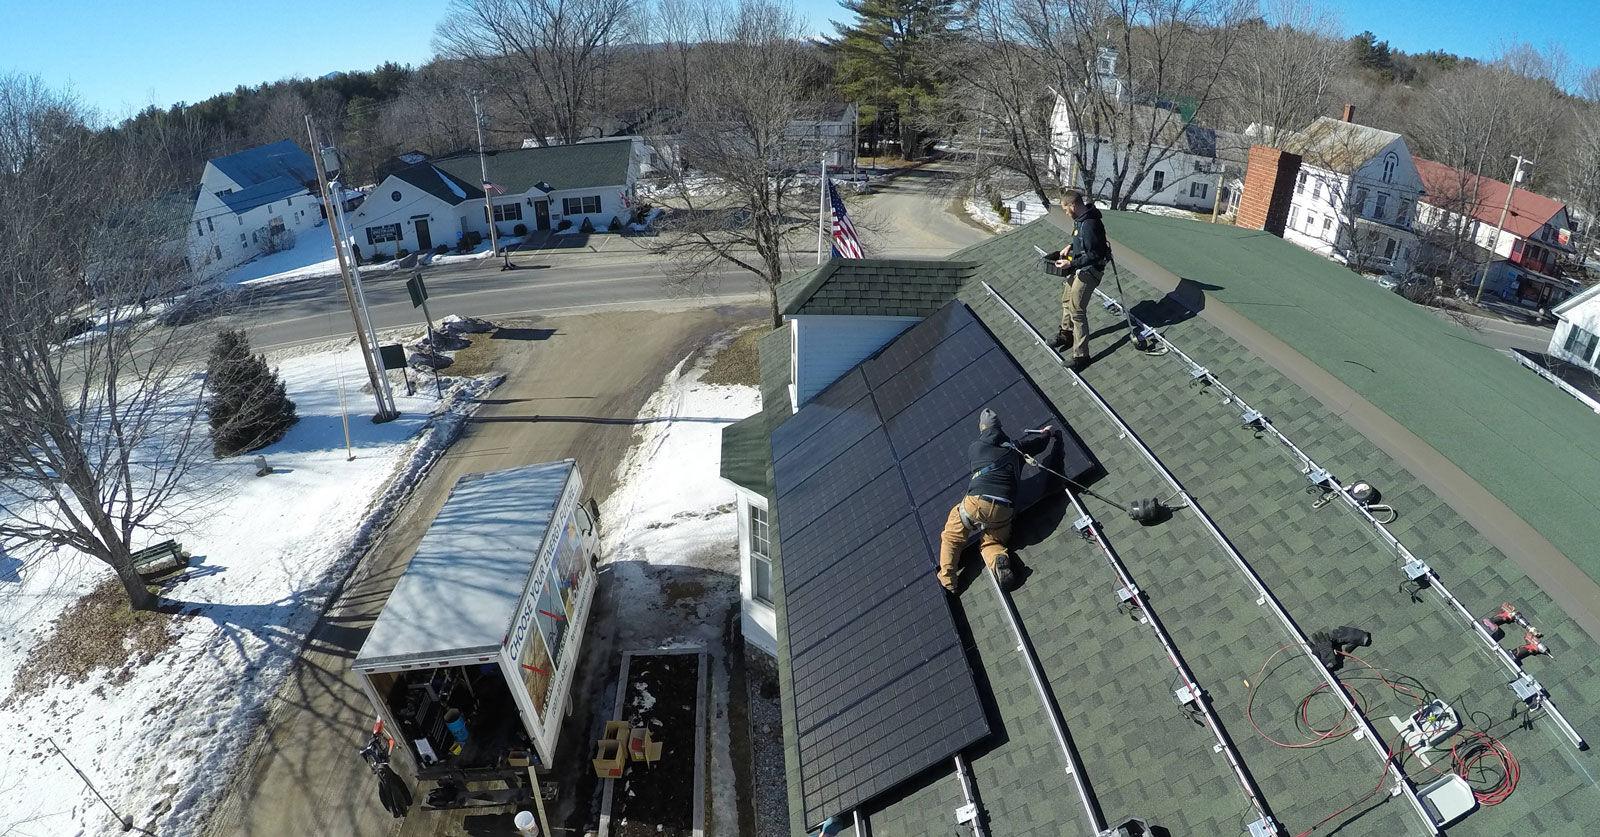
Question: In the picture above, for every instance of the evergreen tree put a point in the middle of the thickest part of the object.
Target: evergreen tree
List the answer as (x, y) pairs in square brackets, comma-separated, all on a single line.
[(889, 62), (248, 408)]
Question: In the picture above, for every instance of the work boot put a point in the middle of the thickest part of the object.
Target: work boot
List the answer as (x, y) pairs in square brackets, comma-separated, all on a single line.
[(1062, 340), (1078, 364), (1003, 573)]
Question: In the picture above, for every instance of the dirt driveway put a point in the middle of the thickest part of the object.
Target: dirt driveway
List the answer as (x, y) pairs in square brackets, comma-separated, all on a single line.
[(592, 375)]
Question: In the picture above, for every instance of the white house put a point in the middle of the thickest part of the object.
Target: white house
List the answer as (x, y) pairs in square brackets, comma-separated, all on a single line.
[(830, 133), (417, 209), (541, 188), (249, 199), (1577, 336), (1521, 262), (1197, 165), (1355, 196)]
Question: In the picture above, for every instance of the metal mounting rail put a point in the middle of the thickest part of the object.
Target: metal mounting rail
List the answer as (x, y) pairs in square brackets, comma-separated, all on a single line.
[(1130, 592), (1091, 811), (1265, 597), (969, 812), (1523, 684)]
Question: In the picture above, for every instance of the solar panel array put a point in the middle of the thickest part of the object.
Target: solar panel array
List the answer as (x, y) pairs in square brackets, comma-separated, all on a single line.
[(864, 476)]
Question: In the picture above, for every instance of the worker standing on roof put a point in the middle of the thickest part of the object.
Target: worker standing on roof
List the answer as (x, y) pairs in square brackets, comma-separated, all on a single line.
[(1083, 262), (996, 463)]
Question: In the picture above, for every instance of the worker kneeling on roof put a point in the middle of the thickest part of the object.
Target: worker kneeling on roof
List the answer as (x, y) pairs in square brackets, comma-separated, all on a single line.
[(988, 506)]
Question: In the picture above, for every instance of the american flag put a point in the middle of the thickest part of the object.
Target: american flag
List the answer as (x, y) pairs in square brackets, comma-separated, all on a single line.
[(845, 243)]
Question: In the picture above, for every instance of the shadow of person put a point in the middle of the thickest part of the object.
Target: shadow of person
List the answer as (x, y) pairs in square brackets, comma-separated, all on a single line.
[(1177, 305)]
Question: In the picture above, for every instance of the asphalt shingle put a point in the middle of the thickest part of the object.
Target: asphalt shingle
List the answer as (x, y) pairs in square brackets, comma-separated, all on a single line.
[(1113, 684)]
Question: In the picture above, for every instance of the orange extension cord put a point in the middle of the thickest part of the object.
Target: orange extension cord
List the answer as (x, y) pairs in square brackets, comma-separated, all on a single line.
[(1474, 753)]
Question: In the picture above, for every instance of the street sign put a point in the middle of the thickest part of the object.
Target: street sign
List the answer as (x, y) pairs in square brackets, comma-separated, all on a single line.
[(393, 355), (417, 290)]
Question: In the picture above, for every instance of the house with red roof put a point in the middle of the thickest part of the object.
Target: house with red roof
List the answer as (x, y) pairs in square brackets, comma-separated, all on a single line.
[(1521, 262)]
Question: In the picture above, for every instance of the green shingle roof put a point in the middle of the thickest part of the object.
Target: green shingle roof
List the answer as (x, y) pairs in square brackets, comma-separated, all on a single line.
[(746, 453), (1111, 680), (881, 287), (580, 166)]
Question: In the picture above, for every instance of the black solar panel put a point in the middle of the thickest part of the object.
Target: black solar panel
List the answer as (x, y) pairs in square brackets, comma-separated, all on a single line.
[(864, 475)]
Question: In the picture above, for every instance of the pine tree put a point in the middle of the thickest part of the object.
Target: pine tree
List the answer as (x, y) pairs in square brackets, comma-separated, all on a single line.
[(248, 407), (889, 61)]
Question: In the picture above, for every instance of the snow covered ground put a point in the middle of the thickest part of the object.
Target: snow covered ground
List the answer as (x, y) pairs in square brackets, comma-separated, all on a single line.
[(984, 214), (671, 510), (312, 258), (267, 556), (671, 505)]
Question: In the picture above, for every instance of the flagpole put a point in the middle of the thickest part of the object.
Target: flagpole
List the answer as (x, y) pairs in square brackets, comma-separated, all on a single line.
[(822, 207)]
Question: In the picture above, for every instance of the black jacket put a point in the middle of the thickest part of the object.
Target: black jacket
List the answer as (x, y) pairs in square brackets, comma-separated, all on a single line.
[(995, 467), (1088, 247)]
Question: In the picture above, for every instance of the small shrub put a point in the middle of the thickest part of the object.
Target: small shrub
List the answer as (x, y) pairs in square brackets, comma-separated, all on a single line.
[(566, 224), (441, 249), (1004, 212), (587, 226), (474, 238), (615, 225), (248, 408), (275, 241), (401, 253), (520, 229), (379, 257)]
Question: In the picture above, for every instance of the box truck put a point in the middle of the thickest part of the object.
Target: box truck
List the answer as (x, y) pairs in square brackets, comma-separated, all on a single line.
[(470, 661)]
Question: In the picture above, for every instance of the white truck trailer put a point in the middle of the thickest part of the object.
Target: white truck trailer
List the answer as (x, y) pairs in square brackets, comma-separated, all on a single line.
[(481, 636)]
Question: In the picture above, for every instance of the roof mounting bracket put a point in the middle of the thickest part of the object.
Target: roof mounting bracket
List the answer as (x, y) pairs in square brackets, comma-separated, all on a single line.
[(1416, 569), (1252, 418), (1201, 375), (1264, 827), (1188, 693), (1318, 476), (1528, 690), (1083, 525)]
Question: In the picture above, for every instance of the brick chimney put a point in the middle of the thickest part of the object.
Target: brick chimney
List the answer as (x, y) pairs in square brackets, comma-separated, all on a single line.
[(1349, 113)]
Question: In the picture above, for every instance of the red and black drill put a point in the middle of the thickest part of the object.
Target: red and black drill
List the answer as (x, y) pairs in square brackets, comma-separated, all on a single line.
[(1531, 645)]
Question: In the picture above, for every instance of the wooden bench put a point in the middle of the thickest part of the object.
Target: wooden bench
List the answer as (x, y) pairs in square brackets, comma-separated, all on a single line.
[(160, 558)]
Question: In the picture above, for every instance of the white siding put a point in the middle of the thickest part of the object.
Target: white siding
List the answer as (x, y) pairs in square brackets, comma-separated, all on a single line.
[(214, 228), (824, 347), (760, 622), (381, 209), (1585, 314)]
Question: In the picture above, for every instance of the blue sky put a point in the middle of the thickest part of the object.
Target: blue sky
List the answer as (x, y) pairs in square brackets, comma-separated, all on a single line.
[(1475, 28), (120, 55)]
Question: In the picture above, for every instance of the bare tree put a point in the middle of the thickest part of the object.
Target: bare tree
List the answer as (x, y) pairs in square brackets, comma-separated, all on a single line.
[(1282, 70), (1475, 119), (738, 196), (433, 113), (98, 432), (995, 105), (1132, 73), (550, 55), (1582, 182)]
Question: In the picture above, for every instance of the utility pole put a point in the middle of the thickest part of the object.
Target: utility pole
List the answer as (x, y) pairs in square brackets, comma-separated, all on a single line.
[(380, 381), (483, 168), (1494, 243)]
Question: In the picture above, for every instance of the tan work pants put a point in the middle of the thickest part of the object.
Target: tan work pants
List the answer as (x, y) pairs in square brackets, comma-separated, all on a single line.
[(1075, 298), (996, 521)]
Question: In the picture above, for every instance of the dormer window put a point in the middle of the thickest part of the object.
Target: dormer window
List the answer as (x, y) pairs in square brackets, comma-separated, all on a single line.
[(1390, 160)]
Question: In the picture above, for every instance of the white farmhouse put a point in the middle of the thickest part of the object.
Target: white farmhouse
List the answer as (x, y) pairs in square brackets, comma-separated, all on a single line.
[(1577, 336), (1355, 196), (1522, 262), (1196, 165), (250, 198), (542, 188)]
